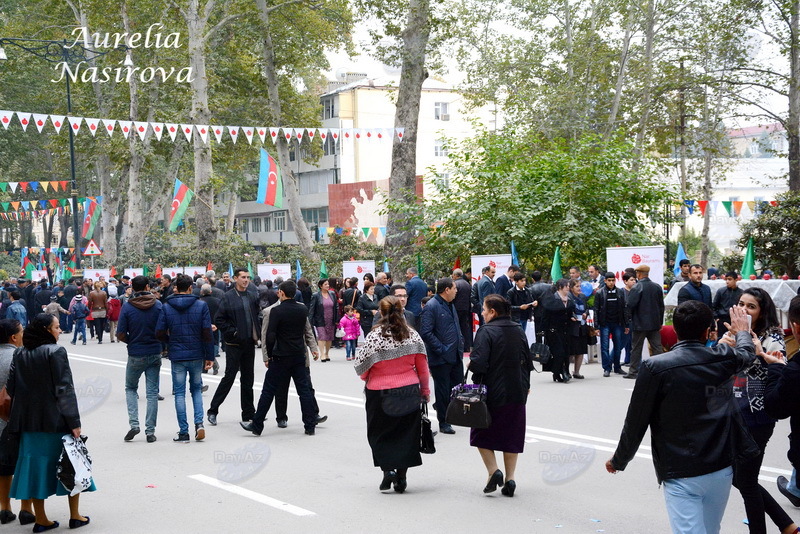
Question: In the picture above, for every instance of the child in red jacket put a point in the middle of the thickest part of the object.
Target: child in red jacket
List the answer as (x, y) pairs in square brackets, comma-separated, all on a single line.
[(349, 323)]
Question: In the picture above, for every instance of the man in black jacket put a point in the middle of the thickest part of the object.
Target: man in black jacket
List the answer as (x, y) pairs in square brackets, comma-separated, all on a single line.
[(646, 305), (695, 289), (782, 400), (285, 344), (539, 290), (463, 307), (685, 397), (237, 320), (611, 317), (724, 300)]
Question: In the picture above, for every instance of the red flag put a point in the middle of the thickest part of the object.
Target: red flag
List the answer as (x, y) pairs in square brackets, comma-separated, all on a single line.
[(210, 266), (158, 270), (113, 272), (457, 264)]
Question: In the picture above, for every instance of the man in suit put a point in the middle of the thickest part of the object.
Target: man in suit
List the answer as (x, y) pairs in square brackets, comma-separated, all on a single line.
[(463, 307), (417, 290), (286, 357), (646, 305), (381, 286), (504, 282), (439, 329)]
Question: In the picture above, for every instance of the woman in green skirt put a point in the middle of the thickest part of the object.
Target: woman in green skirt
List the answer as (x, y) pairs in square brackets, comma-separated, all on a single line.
[(43, 409)]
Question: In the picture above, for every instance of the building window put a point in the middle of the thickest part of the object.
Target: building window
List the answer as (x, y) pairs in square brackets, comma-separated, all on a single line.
[(245, 226), (317, 216), (439, 148), (292, 154), (329, 108), (443, 180), (440, 111), (255, 224), (279, 221), (329, 147)]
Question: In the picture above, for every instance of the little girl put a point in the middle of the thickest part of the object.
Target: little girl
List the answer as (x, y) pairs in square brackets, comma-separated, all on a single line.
[(349, 323)]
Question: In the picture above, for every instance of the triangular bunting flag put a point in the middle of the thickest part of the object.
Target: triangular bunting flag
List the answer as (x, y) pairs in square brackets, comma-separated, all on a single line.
[(248, 133), (202, 129), (141, 129), (44, 185), (62, 201), (158, 129), (13, 186), (233, 131), (26, 205), (298, 134), (24, 120), (187, 131), (125, 127), (366, 231), (287, 133), (23, 186), (335, 133), (75, 123), (323, 134), (262, 133), (58, 122), (380, 133), (3, 186), (108, 126), (53, 202), (63, 184), (273, 133), (5, 205), (93, 125), (347, 134), (5, 118), (751, 205), (217, 131), (39, 120), (702, 204), (737, 207), (172, 130), (400, 132), (310, 133), (689, 206), (34, 186), (727, 205), (42, 203)]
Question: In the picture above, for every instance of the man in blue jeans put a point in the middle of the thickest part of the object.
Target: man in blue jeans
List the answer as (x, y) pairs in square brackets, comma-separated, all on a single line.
[(185, 326), (137, 328), (686, 399), (611, 316)]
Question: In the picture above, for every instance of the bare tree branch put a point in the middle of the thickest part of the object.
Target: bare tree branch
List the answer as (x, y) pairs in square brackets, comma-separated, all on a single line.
[(208, 9), (179, 8), (221, 24)]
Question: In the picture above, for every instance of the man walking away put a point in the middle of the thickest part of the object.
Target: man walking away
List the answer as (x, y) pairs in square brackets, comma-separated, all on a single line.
[(237, 320), (646, 305), (286, 349), (137, 328), (185, 326), (686, 399), (463, 307), (438, 327), (417, 289)]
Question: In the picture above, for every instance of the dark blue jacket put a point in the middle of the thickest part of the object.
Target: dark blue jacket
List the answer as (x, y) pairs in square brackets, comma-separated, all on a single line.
[(137, 324), (439, 329), (417, 290), (185, 325), (693, 292)]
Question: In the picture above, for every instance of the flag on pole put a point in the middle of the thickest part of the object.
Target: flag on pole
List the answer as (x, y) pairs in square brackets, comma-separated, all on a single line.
[(457, 264), (680, 255), (749, 263), (71, 266), (514, 256), (250, 270), (385, 265), (270, 184), (230, 269), (419, 265), (555, 270), (158, 272), (92, 218), (323, 270), (181, 198), (27, 268), (299, 271), (113, 272), (209, 267), (144, 270)]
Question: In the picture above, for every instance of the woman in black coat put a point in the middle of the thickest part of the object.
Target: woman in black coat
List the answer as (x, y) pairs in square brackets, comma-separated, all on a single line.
[(500, 360), (367, 307), (558, 318)]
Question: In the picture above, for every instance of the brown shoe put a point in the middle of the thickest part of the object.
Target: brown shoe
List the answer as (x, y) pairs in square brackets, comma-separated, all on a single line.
[(199, 433)]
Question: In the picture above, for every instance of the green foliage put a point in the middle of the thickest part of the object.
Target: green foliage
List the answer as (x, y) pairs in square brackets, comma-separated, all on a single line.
[(10, 263), (582, 195), (692, 245), (776, 232)]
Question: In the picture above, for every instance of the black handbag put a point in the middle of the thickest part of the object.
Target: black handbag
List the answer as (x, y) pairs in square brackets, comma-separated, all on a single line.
[(540, 353), (468, 406), (426, 445)]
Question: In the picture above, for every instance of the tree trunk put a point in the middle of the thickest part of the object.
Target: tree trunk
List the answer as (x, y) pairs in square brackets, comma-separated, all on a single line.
[(644, 117), (793, 120), (621, 75), (233, 203), (708, 164), (402, 180)]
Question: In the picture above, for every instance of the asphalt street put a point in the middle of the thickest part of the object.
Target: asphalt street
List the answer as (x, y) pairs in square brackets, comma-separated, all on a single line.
[(285, 481)]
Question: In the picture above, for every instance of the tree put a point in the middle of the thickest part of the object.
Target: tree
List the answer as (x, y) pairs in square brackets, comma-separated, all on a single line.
[(776, 231)]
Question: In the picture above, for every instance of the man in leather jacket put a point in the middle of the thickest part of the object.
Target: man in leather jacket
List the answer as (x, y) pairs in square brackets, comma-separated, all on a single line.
[(685, 397)]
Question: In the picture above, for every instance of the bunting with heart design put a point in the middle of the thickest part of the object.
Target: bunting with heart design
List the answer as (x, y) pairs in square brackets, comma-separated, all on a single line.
[(273, 133), (187, 131), (262, 133), (39, 120), (75, 123), (5, 118), (158, 129), (233, 131), (24, 120), (58, 122), (125, 128), (108, 126), (140, 128), (202, 129), (248, 133), (92, 124)]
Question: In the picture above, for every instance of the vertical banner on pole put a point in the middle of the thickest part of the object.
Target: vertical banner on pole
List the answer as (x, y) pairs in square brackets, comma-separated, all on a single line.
[(358, 269)]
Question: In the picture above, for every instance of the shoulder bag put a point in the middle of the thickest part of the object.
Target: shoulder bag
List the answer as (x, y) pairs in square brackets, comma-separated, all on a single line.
[(426, 445), (468, 406)]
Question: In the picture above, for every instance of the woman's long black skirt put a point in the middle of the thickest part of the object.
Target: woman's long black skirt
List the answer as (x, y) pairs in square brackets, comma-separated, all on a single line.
[(394, 439)]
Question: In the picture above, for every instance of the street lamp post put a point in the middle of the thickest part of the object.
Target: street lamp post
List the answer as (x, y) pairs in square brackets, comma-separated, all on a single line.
[(63, 52)]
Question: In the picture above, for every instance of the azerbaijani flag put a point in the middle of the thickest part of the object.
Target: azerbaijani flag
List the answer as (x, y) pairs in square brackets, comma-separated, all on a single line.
[(27, 268), (92, 218), (71, 265), (180, 201), (270, 184)]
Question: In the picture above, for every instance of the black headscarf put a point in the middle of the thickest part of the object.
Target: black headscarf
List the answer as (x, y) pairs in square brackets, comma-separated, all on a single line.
[(37, 334)]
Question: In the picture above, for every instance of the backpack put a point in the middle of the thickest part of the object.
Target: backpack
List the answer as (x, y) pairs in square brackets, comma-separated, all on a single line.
[(80, 310)]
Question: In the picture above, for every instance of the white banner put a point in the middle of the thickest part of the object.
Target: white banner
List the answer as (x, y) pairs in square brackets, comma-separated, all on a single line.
[(358, 269), (501, 263), (95, 274), (270, 271), (172, 271), (194, 271), (620, 258), (133, 273), (38, 275)]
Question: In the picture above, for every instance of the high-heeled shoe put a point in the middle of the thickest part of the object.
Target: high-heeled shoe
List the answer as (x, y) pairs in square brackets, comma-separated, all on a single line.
[(509, 488), (43, 528), (388, 478), (495, 480), (77, 523)]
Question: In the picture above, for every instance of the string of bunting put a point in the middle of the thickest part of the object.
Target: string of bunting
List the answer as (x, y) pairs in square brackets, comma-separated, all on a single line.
[(232, 133), (34, 186), (24, 210), (367, 231), (727, 208)]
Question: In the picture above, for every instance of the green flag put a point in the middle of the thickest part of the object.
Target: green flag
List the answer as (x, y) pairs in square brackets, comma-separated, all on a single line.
[(749, 263), (555, 270), (419, 265), (144, 270), (323, 270), (250, 270)]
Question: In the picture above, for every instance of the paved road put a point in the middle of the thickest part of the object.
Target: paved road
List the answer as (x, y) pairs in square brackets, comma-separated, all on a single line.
[(285, 481)]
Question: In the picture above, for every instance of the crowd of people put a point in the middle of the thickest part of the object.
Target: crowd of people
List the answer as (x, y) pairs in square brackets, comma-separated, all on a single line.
[(729, 343)]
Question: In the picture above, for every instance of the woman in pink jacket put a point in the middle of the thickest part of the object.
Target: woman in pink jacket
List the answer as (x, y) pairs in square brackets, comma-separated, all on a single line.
[(393, 363)]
